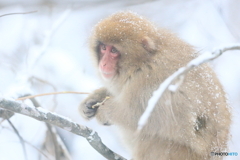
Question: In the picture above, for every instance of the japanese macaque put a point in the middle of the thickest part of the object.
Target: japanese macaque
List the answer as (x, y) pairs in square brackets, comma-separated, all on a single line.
[(134, 57)]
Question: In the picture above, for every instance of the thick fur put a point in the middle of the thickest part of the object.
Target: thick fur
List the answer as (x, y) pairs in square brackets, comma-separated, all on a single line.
[(186, 125)]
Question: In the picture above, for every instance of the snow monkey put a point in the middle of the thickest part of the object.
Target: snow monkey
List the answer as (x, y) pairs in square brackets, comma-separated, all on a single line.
[(133, 58)]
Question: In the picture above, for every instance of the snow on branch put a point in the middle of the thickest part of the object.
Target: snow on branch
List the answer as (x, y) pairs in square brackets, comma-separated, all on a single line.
[(65, 123), (206, 57)]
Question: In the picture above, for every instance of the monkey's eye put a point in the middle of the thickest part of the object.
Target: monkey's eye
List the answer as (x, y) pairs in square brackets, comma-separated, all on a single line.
[(114, 50), (103, 47)]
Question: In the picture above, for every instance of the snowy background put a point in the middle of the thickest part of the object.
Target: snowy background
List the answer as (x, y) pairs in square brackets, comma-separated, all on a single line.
[(47, 51)]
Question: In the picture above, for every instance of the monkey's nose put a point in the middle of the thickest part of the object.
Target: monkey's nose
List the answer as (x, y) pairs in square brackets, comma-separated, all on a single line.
[(104, 64)]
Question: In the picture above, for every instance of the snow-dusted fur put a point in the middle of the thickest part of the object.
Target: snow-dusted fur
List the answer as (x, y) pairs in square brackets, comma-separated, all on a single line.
[(186, 125)]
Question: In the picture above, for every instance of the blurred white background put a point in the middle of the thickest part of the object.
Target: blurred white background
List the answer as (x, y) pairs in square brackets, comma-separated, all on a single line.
[(47, 51)]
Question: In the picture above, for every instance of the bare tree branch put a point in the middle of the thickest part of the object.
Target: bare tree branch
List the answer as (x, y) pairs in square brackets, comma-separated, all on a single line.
[(179, 74), (62, 122)]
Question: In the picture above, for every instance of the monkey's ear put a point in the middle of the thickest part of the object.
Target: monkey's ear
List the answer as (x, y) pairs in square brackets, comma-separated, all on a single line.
[(148, 44)]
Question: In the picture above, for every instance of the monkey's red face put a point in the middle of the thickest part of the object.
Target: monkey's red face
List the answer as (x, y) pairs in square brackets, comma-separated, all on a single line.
[(109, 57)]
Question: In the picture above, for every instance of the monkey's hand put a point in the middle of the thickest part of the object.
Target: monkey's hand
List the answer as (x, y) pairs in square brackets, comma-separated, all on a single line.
[(90, 105), (86, 109)]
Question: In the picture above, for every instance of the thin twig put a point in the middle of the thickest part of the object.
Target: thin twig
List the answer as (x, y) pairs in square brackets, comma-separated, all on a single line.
[(20, 138), (17, 13), (30, 144), (37, 149), (51, 93), (100, 103), (48, 37)]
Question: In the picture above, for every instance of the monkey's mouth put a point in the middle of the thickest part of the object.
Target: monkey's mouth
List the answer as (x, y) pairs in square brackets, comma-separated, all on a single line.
[(107, 75)]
